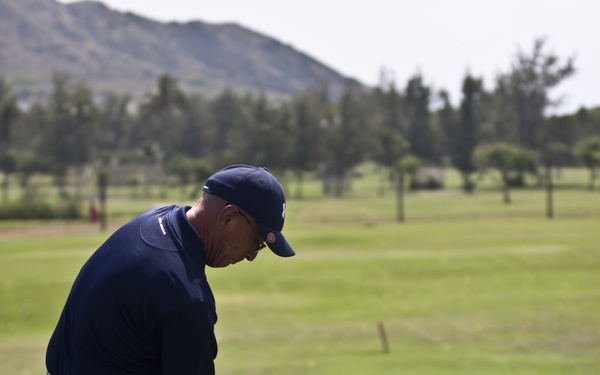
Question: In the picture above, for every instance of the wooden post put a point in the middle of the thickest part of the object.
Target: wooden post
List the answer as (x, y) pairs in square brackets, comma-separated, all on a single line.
[(549, 191), (400, 194), (102, 196), (383, 337)]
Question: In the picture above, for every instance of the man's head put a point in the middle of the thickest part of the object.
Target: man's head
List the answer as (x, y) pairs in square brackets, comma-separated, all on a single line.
[(252, 197)]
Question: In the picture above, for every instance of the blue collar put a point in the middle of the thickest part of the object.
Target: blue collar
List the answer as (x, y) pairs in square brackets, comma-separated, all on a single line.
[(186, 234)]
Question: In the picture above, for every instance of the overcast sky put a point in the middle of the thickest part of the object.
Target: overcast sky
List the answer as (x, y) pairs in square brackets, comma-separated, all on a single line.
[(441, 39)]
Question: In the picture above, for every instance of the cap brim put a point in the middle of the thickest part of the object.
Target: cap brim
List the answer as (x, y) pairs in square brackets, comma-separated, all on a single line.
[(279, 246)]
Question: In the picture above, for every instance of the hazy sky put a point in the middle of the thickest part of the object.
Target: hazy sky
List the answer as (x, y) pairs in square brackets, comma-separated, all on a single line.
[(441, 39)]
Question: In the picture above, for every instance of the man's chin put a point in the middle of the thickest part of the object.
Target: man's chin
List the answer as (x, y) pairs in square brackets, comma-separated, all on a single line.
[(222, 263)]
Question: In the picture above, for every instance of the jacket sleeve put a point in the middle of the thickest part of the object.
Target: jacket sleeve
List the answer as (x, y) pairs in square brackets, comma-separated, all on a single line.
[(189, 346)]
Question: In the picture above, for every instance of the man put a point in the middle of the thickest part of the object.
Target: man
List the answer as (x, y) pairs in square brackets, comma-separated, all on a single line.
[(142, 305)]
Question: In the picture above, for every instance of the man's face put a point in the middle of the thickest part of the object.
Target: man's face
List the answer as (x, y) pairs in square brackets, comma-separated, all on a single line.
[(238, 239)]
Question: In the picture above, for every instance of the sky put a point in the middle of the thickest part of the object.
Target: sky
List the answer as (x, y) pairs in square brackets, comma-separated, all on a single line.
[(440, 39)]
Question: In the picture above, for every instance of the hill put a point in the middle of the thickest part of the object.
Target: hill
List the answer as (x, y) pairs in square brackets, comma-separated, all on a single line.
[(123, 52)]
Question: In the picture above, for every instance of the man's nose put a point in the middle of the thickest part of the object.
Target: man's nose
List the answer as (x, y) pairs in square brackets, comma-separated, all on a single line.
[(251, 255)]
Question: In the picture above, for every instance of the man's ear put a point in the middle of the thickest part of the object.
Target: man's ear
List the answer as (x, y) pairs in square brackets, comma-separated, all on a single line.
[(228, 213)]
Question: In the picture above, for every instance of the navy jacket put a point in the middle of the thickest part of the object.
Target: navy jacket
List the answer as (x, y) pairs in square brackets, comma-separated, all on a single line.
[(140, 305)]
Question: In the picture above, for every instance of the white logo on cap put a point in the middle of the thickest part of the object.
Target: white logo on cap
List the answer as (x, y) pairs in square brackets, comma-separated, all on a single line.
[(283, 212)]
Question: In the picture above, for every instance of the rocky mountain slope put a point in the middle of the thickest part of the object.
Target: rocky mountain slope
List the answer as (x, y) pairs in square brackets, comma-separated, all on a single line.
[(123, 52)]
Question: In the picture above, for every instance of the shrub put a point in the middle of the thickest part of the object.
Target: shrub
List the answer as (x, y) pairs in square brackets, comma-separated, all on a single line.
[(40, 210)]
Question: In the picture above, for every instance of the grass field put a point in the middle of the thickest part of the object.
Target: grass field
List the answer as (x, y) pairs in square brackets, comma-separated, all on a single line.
[(467, 285)]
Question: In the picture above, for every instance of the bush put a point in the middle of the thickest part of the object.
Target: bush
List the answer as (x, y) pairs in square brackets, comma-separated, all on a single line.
[(39, 210), (70, 209)]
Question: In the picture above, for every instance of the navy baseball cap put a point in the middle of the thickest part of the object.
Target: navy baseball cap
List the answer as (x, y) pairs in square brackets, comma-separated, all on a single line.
[(257, 192)]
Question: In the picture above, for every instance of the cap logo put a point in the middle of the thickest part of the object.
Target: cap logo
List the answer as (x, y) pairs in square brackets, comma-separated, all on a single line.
[(270, 237), (283, 212)]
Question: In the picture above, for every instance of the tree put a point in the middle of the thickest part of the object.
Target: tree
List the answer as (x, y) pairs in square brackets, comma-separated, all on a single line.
[(564, 129), (407, 164), (27, 138), (526, 88), (345, 141), (390, 102), (309, 108), (553, 155), (508, 160), (163, 114), (178, 124), (390, 144), (588, 120), (114, 126), (9, 112), (447, 118), (151, 156), (419, 134), (229, 116), (391, 147), (8, 165), (588, 151), (264, 137), (526, 162), (277, 141), (69, 128), (464, 137), (188, 170), (199, 128)]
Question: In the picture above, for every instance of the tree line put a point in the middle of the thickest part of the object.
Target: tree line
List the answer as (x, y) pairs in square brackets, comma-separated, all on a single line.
[(401, 128)]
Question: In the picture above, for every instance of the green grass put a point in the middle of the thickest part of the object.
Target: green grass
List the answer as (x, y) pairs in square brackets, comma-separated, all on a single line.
[(455, 297), (467, 285)]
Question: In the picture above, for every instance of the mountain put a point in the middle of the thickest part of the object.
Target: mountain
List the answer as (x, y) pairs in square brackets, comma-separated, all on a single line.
[(123, 52)]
